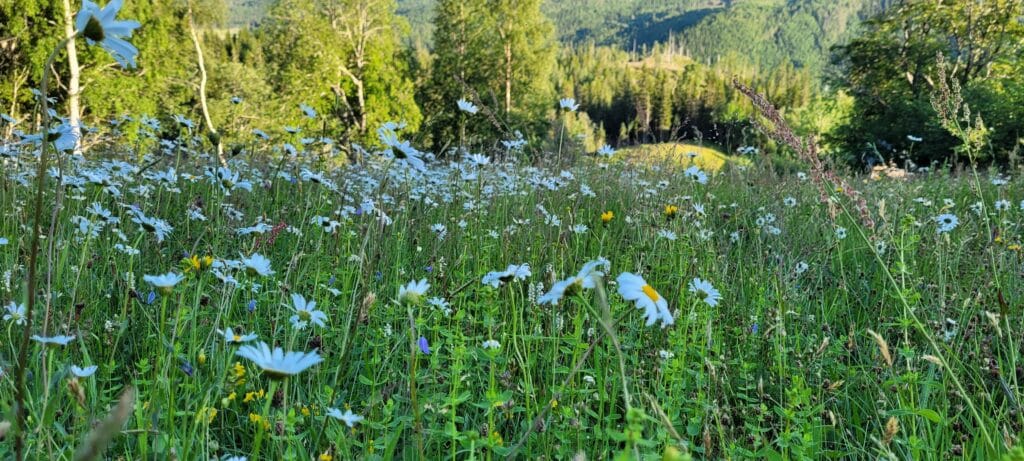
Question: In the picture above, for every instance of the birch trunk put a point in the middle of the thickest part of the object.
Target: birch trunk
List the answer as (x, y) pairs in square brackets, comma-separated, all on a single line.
[(74, 84), (202, 88)]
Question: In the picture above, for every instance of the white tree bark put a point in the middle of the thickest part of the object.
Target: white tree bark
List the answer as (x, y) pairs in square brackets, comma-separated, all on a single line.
[(202, 87), (74, 85)]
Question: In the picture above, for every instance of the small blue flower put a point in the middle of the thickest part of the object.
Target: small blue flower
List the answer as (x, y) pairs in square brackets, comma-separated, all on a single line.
[(331, 280), (424, 345), (378, 276), (151, 297), (252, 306), (754, 328), (430, 269), (187, 368)]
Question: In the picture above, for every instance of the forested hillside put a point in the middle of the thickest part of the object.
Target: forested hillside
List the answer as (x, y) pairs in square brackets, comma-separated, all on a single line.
[(641, 72), (763, 32)]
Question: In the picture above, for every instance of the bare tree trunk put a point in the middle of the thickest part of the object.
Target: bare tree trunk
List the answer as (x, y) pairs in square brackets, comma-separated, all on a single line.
[(202, 88), (19, 79), (360, 99), (508, 77), (74, 106)]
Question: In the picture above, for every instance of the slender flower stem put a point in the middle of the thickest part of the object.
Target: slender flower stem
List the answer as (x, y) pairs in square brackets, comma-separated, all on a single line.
[(260, 431), (417, 422), (20, 412)]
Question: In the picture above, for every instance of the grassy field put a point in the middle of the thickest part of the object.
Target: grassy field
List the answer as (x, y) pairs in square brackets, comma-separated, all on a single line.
[(676, 154), (827, 339)]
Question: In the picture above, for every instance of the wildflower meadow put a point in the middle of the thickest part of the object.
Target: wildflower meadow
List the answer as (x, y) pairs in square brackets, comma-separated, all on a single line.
[(296, 298)]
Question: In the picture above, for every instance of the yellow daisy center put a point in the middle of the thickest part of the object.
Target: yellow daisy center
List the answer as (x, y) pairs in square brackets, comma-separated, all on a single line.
[(575, 287), (238, 338), (650, 292)]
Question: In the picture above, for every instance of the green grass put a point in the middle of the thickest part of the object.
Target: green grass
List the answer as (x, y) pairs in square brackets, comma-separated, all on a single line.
[(782, 368), (681, 154)]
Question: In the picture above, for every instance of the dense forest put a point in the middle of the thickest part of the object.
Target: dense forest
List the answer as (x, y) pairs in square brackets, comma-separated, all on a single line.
[(858, 73), (768, 32)]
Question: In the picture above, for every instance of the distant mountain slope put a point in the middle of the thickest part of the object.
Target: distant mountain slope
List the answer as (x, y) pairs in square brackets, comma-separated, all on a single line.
[(762, 32), (245, 12), (768, 33)]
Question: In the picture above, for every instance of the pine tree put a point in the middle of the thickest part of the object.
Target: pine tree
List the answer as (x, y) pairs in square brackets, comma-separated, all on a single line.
[(498, 54), (458, 67)]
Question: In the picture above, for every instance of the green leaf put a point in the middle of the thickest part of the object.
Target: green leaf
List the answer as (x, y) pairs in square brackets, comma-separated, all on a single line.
[(930, 415)]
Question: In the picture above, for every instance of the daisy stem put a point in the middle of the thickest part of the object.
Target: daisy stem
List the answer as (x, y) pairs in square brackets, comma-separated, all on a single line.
[(626, 397), (417, 423), (20, 412), (265, 420)]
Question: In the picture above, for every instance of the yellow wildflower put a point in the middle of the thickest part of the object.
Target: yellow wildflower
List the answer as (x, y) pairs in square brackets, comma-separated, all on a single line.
[(206, 414)]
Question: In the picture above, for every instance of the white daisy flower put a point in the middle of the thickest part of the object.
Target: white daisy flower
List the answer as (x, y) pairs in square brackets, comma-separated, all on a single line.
[(257, 264), (236, 338), (946, 222), (101, 27), (705, 291), (695, 173), (440, 304), (306, 312), (478, 159), (15, 313), (307, 111), (585, 279), (276, 363), (491, 344), (512, 272), (350, 419), (413, 292), (60, 340), (467, 107), (164, 283), (632, 287), (83, 372)]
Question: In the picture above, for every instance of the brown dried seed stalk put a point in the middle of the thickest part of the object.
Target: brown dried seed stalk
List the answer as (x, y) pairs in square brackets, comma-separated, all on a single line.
[(774, 125), (883, 346), (892, 427), (100, 437)]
